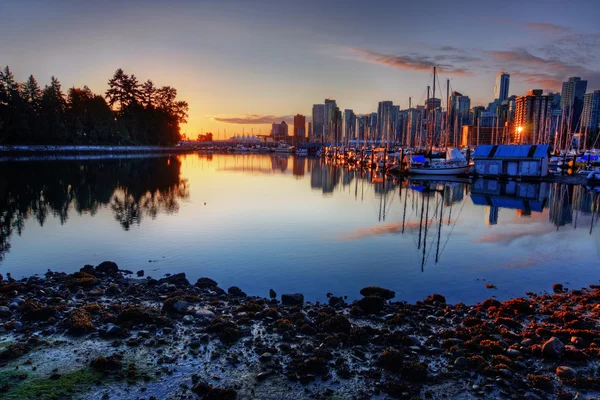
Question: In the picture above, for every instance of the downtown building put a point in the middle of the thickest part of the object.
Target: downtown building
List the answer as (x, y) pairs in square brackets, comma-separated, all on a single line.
[(590, 118), (459, 115), (279, 131), (318, 123), (349, 125), (571, 102), (385, 120), (532, 114), (299, 128), (501, 87)]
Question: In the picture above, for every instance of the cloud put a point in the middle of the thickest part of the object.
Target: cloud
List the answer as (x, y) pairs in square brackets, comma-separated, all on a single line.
[(545, 72), (546, 27), (409, 62), (252, 119)]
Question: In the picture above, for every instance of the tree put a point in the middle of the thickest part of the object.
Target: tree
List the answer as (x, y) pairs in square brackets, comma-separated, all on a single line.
[(53, 109), (123, 91), (148, 94)]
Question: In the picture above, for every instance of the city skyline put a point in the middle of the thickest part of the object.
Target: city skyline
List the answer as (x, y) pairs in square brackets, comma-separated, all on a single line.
[(246, 67)]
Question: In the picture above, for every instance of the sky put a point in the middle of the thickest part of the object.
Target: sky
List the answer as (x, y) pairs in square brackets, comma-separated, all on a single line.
[(242, 65)]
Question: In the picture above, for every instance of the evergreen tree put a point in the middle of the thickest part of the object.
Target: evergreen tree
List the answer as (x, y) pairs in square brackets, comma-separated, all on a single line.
[(53, 109), (148, 94)]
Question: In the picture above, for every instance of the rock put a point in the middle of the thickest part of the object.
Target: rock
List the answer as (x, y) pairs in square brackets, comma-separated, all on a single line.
[(527, 342), (557, 288), (88, 269), (371, 304), (236, 291), (96, 292), (506, 373), (461, 362), (292, 299), (204, 314), (435, 298), (19, 301), (414, 341), (107, 267), (140, 273), (264, 375), (188, 319), (564, 372), (113, 289), (13, 306), (80, 294), (378, 291), (176, 306), (272, 294), (177, 280), (265, 357), (513, 353), (577, 341), (553, 348), (195, 343), (112, 330), (204, 283), (5, 311)]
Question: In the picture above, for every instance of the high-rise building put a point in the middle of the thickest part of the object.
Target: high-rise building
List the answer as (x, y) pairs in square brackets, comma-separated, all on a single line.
[(318, 122), (299, 126), (279, 131), (571, 101), (384, 120), (458, 116), (531, 116), (309, 131), (590, 117), (501, 86), (349, 125), (330, 113), (361, 124)]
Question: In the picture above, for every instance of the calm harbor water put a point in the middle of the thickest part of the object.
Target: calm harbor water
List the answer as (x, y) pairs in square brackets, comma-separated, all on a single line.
[(296, 225)]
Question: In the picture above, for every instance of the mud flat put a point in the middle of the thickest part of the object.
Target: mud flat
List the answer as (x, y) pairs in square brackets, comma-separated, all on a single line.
[(106, 333)]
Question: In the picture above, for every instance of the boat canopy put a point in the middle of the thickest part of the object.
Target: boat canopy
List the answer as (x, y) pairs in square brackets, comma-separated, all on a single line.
[(454, 155)]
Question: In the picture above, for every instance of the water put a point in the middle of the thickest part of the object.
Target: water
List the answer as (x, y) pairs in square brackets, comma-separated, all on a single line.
[(296, 225)]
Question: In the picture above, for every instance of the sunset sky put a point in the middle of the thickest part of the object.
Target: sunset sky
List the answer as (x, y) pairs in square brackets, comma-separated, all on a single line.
[(249, 63)]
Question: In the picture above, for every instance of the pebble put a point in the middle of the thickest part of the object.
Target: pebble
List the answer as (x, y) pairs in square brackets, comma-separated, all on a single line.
[(553, 348), (513, 353), (188, 319), (5, 311), (564, 372), (204, 314), (111, 329), (13, 306), (461, 362), (265, 357)]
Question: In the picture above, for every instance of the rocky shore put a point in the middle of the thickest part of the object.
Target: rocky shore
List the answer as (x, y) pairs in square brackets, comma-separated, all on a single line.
[(111, 334)]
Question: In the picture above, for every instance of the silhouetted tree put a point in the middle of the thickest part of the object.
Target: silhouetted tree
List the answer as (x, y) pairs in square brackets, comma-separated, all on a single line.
[(54, 106)]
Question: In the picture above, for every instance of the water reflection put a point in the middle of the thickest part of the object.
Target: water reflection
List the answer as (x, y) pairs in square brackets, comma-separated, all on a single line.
[(245, 214), (132, 188)]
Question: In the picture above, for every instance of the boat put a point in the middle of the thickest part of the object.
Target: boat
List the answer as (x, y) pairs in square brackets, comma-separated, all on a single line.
[(455, 164), (303, 151)]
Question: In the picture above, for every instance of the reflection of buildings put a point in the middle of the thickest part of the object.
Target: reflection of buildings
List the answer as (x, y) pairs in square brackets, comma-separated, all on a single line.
[(494, 195), (491, 215), (323, 176), (279, 162), (299, 166)]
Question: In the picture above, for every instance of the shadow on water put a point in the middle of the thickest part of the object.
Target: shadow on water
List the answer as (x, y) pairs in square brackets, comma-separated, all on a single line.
[(132, 188)]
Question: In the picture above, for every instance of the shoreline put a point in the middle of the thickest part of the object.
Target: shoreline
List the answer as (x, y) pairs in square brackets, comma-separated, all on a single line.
[(108, 332)]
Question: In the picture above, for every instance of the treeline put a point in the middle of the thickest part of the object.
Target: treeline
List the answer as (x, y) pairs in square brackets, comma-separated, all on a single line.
[(128, 113)]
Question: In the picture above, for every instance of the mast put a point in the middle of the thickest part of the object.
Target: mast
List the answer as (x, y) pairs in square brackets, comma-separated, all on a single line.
[(447, 112), (427, 118), (433, 131)]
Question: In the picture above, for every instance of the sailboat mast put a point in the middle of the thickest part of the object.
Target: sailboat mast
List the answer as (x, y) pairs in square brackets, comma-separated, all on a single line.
[(433, 130), (427, 119), (447, 131)]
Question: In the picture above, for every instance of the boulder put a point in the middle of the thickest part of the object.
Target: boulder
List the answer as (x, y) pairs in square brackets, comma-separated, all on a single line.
[(107, 267), (371, 304), (177, 280), (461, 362), (5, 311), (553, 348), (236, 291), (292, 299), (557, 288), (88, 269), (204, 283), (272, 294), (204, 314), (378, 291)]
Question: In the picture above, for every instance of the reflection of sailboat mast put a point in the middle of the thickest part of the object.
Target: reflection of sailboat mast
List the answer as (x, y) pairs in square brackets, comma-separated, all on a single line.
[(405, 199), (425, 235), (421, 220), (437, 251)]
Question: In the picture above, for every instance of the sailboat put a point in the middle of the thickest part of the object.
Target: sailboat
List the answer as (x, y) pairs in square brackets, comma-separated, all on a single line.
[(454, 164)]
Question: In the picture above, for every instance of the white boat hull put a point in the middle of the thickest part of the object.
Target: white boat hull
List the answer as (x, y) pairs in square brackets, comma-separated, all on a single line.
[(440, 171)]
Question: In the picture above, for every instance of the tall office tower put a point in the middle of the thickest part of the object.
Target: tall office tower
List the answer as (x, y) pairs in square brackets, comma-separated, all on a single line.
[(458, 116), (501, 86), (361, 123), (318, 122), (349, 125), (531, 116), (571, 101), (590, 117), (384, 120), (299, 126), (330, 106), (309, 131)]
